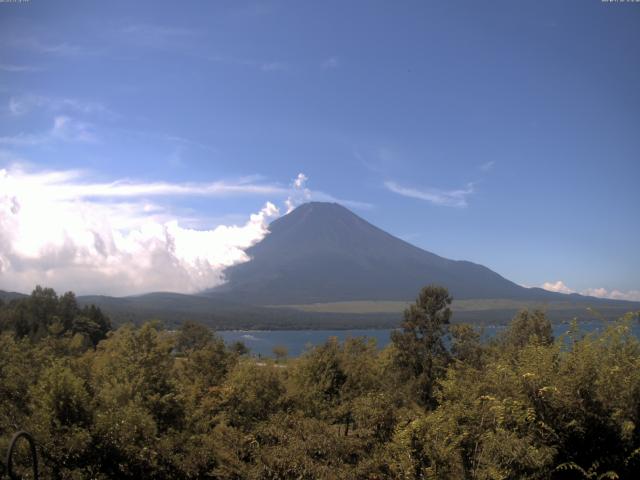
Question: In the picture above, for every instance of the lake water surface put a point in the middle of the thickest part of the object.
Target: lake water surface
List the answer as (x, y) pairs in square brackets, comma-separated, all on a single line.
[(261, 342)]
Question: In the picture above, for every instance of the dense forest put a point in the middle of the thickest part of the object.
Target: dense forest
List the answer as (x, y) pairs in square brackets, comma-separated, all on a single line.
[(146, 402)]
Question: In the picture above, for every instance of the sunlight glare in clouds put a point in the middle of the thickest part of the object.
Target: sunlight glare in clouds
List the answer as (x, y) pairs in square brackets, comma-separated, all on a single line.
[(52, 233)]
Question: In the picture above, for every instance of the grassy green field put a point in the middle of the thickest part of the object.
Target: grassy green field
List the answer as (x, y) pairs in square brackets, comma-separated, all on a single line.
[(474, 305)]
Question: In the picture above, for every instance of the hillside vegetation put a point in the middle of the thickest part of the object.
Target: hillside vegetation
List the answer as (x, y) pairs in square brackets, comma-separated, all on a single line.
[(145, 402)]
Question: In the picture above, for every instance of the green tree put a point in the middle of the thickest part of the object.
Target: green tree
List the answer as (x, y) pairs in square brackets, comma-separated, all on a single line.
[(420, 353), (528, 327), (466, 346), (67, 310), (252, 392), (43, 314), (280, 352), (193, 336), (239, 348), (61, 420), (93, 323)]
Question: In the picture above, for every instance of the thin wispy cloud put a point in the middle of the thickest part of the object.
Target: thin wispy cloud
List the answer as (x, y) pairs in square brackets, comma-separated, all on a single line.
[(73, 184), (188, 142), (266, 66), (189, 42), (24, 140), (273, 66), (64, 129), (174, 141), (325, 197), (70, 130), (330, 63), (299, 193), (23, 104), (485, 167), (158, 36), (251, 9), (62, 49), (14, 68), (214, 189), (176, 158), (445, 198), (379, 160)]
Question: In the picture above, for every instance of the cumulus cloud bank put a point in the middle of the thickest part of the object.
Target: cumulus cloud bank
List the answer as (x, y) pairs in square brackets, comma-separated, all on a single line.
[(559, 286), (59, 231)]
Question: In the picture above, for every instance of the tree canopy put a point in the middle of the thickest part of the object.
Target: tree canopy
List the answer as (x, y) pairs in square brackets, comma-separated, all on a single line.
[(436, 403)]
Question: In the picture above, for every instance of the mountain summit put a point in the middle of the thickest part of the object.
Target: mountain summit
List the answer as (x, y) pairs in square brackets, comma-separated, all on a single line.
[(323, 252)]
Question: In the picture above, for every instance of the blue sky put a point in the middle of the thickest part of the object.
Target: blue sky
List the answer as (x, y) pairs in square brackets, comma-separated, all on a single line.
[(506, 133)]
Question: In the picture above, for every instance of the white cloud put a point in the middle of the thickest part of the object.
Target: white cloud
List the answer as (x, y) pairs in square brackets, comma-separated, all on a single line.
[(59, 228), (596, 292), (300, 180), (446, 198), (630, 295), (559, 286), (300, 193), (53, 232)]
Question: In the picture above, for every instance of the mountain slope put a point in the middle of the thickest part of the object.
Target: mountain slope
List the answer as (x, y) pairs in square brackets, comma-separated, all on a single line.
[(8, 296), (322, 252)]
